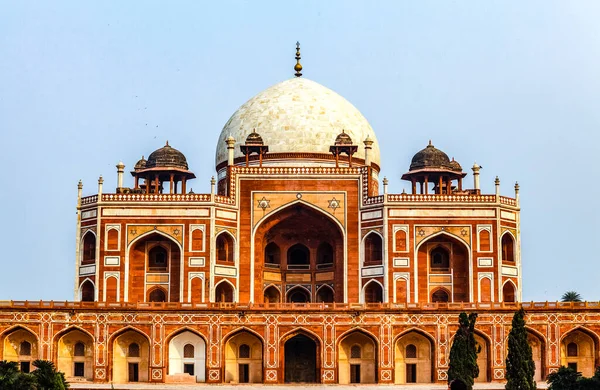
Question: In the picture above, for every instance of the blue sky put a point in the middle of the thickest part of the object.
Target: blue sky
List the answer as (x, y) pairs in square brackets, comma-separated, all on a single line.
[(512, 85)]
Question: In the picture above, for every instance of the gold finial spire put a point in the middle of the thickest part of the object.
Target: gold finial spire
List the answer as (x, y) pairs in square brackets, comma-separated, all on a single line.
[(298, 66)]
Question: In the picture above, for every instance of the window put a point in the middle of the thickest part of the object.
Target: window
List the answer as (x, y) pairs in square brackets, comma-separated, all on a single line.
[(244, 352), (572, 366), (89, 248), (272, 255), (272, 295), (324, 255), (25, 348), (298, 257), (134, 350), (79, 349), (157, 258), (411, 352), (112, 239), (224, 292), (400, 241), (572, 350), (157, 295), (224, 246), (197, 240), (440, 259), (188, 351), (508, 248), (484, 240), (373, 293), (439, 296), (373, 249), (188, 368), (325, 294), (87, 291), (355, 373), (355, 352)]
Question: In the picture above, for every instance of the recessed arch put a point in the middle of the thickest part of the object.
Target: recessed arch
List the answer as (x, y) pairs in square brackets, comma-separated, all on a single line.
[(587, 350), (20, 344), (325, 294), (187, 355), (417, 368), (508, 247), (127, 368), (372, 248), (509, 291), (441, 295), (537, 341), (87, 290), (74, 363), (357, 357), (157, 294), (272, 294), (88, 247), (225, 244), (302, 355), (298, 256), (298, 294), (225, 291), (372, 292), (242, 351), (150, 233)]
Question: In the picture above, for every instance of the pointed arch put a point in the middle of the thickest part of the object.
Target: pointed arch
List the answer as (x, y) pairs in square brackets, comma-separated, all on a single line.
[(325, 294), (508, 247), (294, 290), (357, 357), (121, 369), (87, 290), (302, 356), (156, 294), (587, 350), (419, 368), (88, 247), (242, 351), (68, 361), (373, 248), (178, 353), (20, 344), (221, 292), (509, 291), (368, 295), (225, 246), (272, 294), (441, 295)]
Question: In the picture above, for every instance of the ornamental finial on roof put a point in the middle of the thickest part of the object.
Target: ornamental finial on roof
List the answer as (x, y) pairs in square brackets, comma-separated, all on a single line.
[(298, 66)]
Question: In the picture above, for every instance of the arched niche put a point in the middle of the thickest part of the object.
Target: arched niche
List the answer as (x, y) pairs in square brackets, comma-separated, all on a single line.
[(300, 231), (224, 292), (440, 295), (508, 248), (130, 357), (243, 358), (357, 359), (301, 359), (88, 253), (483, 359), (538, 354), (298, 295), (414, 359), (225, 247), (373, 249), (75, 355), (272, 255), (325, 294), (373, 292), (157, 294), (20, 345), (509, 292), (87, 291), (578, 350), (187, 356), (160, 256), (458, 258), (272, 295)]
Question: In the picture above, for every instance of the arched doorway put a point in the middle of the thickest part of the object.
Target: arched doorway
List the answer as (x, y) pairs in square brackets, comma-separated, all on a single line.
[(187, 356), (325, 294), (440, 295), (300, 354), (578, 351), (224, 292), (76, 355), (298, 295), (225, 247), (538, 353), (508, 248), (20, 345), (357, 359), (88, 250), (159, 257), (414, 363), (447, 258), (373, 292), (272, 295), (296, 243), (130, 357), (483, 359), (509, 292), (87, 291), (243, 358), (373, 249), (157, 295)]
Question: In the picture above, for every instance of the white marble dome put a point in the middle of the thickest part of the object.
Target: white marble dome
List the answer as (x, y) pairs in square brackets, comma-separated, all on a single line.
[(297, 115)]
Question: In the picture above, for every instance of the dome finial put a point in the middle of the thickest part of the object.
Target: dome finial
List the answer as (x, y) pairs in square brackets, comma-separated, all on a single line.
[(298, 67), (167, 143)]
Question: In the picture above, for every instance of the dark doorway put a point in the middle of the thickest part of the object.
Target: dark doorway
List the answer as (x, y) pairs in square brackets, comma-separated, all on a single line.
[(244, 373), (134, 374), (300, 360), (355, 373), (411, 373), (79, 369), (298, 295), (25, 367), (188, 368)]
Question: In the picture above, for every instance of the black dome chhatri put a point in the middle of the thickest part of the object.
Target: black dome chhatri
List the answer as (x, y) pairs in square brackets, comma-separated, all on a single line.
[(430, 157), (141, 164), (167, 157), (254, 139), (343, 139)]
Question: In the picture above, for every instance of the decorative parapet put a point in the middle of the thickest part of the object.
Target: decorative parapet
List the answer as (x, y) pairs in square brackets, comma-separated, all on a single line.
[(398, 198), (156, 198), (243, 307)]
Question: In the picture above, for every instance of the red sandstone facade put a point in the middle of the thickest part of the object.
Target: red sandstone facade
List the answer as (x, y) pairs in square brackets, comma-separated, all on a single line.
[(294, 268)]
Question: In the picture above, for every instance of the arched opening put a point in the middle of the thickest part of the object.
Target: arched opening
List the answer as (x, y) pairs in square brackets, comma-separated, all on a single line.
[(298, 257), (324, 256), (224, 244), (400, 238), (112, 240), (272, 255), (157, 294), (21, 346), (373, 293), (483, 359), (76, 355), (243, 358), (325, 294), (187, 357), (446, 255), (310, 241), (508, 292), (508, 248), (357, 359), (197, 240), (485, 290), (159, 257), (578, 351), (439, 260), (373, 246), (538, 350), (272, 295), (130, 357), (224, 292), (298, 295), (300, 360), (440, 295), (87, 291), (111, 289), (89, 249), (414, 363)]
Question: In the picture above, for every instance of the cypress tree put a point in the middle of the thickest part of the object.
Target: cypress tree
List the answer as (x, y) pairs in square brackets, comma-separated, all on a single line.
[(463, 354), (520, 367)]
